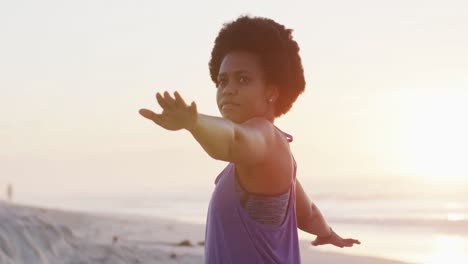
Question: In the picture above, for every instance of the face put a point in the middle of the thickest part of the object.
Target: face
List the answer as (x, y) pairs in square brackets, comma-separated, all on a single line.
[(242, 91)]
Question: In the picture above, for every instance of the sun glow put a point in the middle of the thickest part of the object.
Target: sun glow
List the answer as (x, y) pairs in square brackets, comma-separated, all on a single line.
[(434, 135), (455, 217), (448, 249)]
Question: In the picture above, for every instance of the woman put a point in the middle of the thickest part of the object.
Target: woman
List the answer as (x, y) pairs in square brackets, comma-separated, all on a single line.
[(258, 203)]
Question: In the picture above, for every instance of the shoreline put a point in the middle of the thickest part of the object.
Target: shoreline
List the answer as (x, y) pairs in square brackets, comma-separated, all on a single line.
[(32, 234)]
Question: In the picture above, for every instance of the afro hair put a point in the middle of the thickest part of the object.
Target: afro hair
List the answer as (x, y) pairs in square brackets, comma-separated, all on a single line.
[(278, 52)]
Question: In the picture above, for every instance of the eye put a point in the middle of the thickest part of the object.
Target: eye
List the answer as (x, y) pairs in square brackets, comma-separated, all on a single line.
[(243, 79), (222, 82)]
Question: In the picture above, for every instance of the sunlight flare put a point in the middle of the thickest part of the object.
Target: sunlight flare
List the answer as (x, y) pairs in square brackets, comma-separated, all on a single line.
[(433, 136), (448, 249), (455, 217)]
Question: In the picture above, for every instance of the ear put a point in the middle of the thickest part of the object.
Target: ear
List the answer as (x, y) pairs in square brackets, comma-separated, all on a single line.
[(272, 93)]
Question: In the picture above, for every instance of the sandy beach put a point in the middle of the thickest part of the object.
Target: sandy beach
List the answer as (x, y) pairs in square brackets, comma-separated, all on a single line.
[(39, 235)]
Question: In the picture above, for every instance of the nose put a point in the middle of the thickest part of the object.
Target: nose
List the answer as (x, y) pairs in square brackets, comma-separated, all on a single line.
[(230, 89)]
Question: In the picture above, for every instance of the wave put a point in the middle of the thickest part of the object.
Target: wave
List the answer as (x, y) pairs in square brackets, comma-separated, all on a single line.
[(433, 225)]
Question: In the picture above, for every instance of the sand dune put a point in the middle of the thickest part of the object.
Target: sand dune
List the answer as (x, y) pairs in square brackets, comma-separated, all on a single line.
[(37, 235), (34, 235)]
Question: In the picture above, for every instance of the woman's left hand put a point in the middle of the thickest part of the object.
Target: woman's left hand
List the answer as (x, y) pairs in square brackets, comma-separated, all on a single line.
[(336, 240)]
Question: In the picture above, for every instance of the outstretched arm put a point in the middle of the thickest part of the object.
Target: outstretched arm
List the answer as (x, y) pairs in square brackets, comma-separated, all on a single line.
[(309, 217), (222, 139), (311, 220)]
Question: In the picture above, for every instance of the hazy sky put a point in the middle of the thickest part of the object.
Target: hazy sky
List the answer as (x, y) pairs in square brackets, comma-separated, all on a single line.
[(386, 98)]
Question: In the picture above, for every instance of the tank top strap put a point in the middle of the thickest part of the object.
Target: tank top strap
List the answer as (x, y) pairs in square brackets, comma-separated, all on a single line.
[(223, 172), (288, 136), (290, 139)]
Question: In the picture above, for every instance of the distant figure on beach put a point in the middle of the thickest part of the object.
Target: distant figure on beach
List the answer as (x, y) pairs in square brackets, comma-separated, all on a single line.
[(9, 192), (258, 202)]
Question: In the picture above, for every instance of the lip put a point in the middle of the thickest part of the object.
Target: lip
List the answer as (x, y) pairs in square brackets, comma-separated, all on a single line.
[(228, 107), (228, 103)]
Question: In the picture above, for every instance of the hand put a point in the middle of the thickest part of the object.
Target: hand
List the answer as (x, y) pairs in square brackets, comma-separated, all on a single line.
[(176, 114), (336, 240)]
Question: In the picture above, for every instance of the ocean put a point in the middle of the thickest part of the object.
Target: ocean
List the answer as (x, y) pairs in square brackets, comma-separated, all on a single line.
[(415, 229)]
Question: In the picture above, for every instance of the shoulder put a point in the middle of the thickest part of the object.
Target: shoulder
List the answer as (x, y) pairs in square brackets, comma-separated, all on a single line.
[(266, 130), (262, 127)]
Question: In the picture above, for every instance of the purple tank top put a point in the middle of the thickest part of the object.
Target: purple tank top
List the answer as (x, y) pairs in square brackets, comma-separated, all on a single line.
[(232, 236)]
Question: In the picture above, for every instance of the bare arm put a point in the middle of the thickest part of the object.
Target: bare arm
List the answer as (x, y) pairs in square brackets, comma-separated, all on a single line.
[(222, 139), (311, 220), (225, 140), (309, 217)]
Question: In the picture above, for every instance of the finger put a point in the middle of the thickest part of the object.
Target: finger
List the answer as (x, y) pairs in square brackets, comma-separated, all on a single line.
[(178, 100), (316, 242), (169, 101), (146, 113), (349, 243), (352, 241), (161, 101), (151, 115), (193, 107)]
